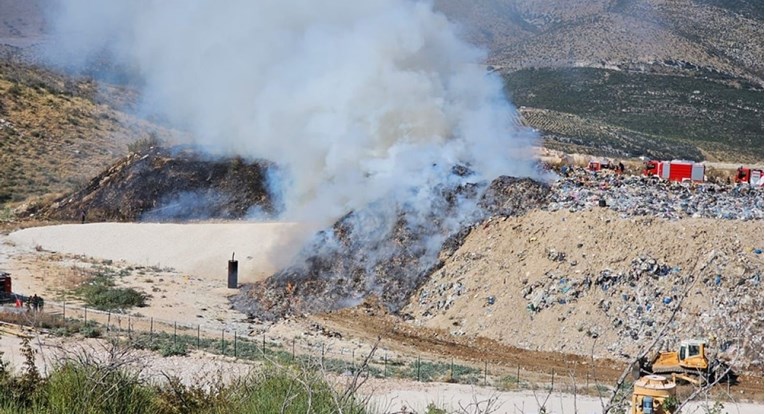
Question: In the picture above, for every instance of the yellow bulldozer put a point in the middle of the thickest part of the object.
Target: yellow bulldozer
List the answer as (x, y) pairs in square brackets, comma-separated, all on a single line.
[(690, 363), (653, 394)]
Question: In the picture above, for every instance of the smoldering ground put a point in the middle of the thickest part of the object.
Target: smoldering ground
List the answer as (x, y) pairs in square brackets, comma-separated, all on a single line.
[(364, 106)]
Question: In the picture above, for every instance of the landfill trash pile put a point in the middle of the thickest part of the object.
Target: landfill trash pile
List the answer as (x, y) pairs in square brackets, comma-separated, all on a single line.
[(616, 295), (636, 303), (367, 252), (644, 196), (360, 256)]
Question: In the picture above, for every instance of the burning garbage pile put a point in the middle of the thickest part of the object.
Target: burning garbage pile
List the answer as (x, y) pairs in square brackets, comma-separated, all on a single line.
[(359, 256), (165, 184), (387, 254), (643, 196)]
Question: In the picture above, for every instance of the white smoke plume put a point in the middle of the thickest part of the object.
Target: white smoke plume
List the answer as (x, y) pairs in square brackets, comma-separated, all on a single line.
[(356, 101)]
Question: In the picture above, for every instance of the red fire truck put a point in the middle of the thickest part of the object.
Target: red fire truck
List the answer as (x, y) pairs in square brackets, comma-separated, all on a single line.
[(748, 175), (676, 170)]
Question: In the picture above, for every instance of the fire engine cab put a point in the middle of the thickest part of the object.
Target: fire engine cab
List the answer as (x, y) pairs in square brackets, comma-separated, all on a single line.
[(748, 175)]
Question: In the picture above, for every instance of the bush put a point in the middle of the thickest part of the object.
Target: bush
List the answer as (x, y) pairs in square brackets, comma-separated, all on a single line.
[(176, 349), (15, 90), (109, 298), (279, 390), (85, 385), (100, 293), (90, 331), (92, 388)]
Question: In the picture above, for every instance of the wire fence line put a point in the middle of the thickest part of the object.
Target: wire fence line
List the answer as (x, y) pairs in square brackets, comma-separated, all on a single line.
[(174, 338)]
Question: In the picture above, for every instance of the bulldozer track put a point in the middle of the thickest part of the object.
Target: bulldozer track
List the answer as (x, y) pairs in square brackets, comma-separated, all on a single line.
[(677, 370)]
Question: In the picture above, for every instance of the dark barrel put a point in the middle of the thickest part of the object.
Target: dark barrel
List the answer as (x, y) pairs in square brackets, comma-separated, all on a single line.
[(233, 274), (5, 282)]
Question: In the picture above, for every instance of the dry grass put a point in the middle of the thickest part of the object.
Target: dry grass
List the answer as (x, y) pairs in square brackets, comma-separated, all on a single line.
[(52, 142)]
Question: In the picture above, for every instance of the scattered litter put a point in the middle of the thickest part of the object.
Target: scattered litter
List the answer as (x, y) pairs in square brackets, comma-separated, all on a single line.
[(641, 196)]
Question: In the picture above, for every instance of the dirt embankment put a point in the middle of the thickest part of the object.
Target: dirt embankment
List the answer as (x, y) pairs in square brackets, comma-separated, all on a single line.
[(591, 281)]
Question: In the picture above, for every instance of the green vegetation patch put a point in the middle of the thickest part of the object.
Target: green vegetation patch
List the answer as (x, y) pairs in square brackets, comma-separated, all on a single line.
[(85, 385), (708, 114), (100, 292)]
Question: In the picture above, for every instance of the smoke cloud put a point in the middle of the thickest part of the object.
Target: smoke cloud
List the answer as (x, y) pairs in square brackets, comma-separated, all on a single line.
[(356, 101)]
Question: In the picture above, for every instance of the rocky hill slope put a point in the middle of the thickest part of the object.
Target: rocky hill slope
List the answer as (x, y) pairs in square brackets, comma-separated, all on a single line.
[(663, 79), (56, 133), (720, 35)]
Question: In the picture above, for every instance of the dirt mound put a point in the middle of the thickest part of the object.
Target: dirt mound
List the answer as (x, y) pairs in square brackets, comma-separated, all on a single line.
[(584, 281), (389, 257), (162, 184)]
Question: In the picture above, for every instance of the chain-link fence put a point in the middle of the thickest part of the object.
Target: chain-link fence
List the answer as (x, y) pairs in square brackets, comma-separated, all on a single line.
[(173, 338)]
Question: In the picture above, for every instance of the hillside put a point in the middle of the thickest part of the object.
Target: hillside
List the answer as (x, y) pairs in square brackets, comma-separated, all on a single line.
[(724, 35), (56, 133), (665, 79), (625, 114)]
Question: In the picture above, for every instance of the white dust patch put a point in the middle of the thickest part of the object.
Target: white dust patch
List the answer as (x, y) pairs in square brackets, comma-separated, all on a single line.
[(199, 249)]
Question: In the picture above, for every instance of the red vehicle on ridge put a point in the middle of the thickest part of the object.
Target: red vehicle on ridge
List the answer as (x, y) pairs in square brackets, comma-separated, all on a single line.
[(676, 170), (748, 175)]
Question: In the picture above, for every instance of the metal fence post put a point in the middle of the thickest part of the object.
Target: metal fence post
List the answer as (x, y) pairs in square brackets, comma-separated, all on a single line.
[(293, 349), (418, 368), (197, 337), (518, 376), (235, 344), (64, 313), (485, 371), (223, 341), (385, 365), (175, 331)]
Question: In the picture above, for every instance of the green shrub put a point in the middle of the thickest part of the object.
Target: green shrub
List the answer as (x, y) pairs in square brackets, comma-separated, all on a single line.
[(176, 349), (100, 293), (282, 390), (91, 388), (15, 90), (90, 331)]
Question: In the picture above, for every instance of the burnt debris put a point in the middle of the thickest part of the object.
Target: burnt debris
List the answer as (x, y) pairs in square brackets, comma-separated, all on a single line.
[(167, 184), (384, 254)]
